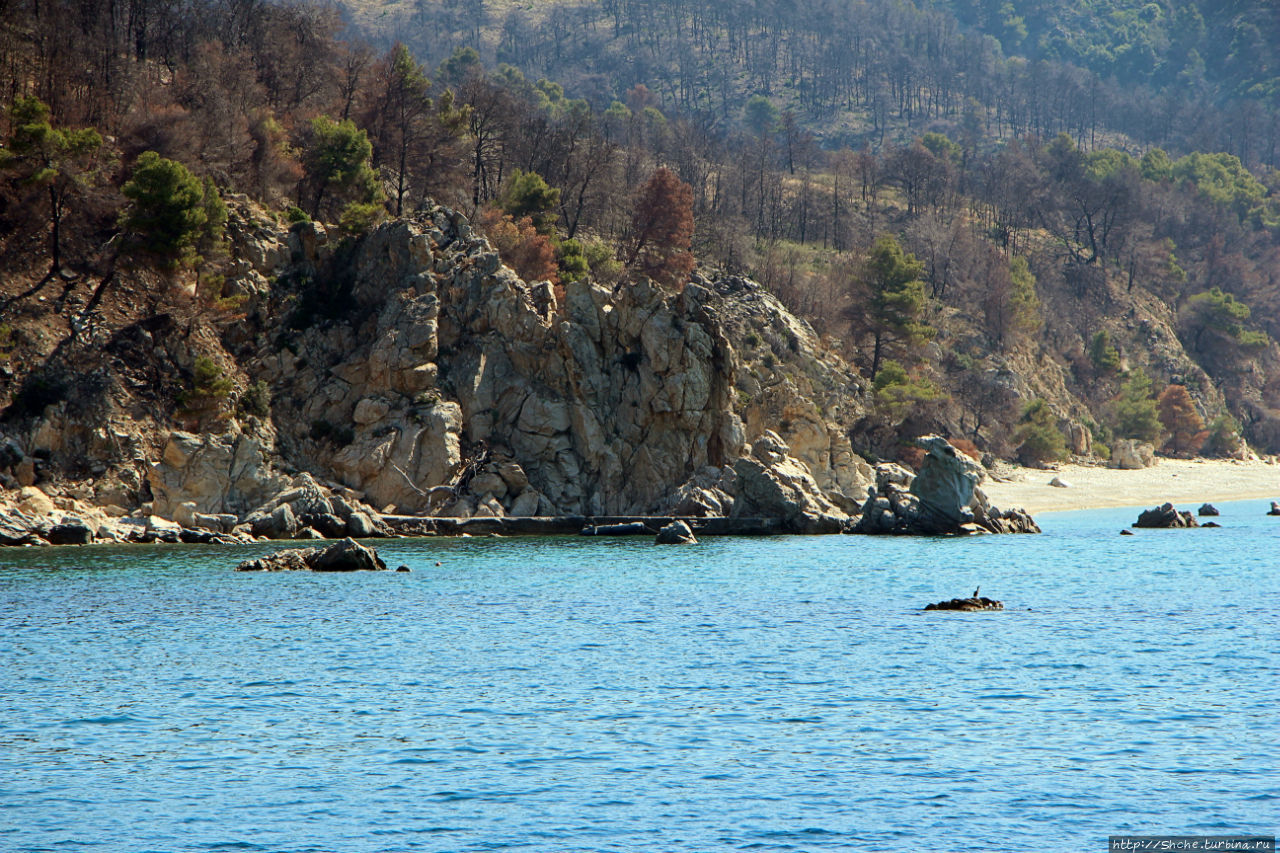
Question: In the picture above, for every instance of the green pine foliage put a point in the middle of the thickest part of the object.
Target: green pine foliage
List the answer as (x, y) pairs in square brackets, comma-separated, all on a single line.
[(170, 209), (1215, 321), (571, 258), (897, 393), (58, 162), (1133, 412), (527, 194), (1224, 437), (337, 161), (891, 299), (1105, 357), (1038, 437)]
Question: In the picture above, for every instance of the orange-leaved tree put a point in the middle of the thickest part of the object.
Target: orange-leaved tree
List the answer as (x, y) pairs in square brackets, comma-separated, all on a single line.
[(662, 229), (1179, 416)]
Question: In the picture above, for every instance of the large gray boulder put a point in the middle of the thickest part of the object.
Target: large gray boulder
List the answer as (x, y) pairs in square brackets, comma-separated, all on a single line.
[(945, 485), (1132, 455), (676, 533), (943, 499), (772, 484), (280, 523), (72, 531), (347, 556)]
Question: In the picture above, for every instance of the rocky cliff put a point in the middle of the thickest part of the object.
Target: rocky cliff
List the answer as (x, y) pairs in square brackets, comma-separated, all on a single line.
[(411, 370)]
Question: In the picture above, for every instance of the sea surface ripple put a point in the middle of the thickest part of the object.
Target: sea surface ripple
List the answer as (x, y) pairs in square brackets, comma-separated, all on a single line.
[(573, 694)]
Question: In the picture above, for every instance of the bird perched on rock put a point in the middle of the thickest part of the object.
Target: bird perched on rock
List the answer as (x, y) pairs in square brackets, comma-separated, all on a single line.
[(975, 591)]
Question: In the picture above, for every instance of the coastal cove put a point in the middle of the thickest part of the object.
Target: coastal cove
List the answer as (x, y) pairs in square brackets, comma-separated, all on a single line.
[(777, 693)]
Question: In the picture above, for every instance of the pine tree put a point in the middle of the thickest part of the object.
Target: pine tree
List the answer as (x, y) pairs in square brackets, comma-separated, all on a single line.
[(169, 210), (1039, 439), (1133, 411), (59, 161), (889, 300), (337, 158)]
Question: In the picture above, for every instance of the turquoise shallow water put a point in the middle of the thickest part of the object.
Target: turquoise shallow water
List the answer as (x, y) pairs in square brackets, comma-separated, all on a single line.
[(607, 695)]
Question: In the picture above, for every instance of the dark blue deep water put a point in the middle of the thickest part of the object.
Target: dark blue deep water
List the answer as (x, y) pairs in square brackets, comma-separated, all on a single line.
[(609, 695)]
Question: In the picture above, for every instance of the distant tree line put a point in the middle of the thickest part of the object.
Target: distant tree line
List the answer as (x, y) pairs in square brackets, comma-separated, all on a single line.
[(1199, 76)]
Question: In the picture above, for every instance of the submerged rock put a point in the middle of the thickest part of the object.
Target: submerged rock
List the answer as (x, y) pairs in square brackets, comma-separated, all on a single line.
[(967, 605), (345, 556), (1165, 516)]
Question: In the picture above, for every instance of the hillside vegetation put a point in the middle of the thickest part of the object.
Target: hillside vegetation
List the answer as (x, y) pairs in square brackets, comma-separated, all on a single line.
[(1011, 248)]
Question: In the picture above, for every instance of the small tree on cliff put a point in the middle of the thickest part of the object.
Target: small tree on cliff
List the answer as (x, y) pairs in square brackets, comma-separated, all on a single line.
[(662, 229), (337, 159), (1183, 423), (170, 209)]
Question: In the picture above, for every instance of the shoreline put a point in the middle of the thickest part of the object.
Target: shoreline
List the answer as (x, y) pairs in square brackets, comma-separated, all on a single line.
[(1186, 483)]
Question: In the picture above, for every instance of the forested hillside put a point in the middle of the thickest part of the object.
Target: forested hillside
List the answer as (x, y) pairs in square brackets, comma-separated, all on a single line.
[(1019, 238)]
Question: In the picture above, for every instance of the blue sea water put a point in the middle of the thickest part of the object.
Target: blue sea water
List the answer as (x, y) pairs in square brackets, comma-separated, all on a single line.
[(607, 695)]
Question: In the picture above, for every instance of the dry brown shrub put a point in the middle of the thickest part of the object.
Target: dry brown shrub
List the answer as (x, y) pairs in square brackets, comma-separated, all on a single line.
[(520, 245)]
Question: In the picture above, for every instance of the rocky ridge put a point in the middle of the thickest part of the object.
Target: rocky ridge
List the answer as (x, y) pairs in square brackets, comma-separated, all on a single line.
[(411, 373)]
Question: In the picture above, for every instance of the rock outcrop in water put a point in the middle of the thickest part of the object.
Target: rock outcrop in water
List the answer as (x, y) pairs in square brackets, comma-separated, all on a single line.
[(967, 605), (410, 373), (1165, 516), (943, 499), (675, 533), (345, 556)]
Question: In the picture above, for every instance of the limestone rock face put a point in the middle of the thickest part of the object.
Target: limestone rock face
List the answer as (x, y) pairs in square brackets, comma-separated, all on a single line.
[(219, 473), (708, 493), (789, 381), (1131, 455), (412, 368), (459, 370), (773, 484)]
